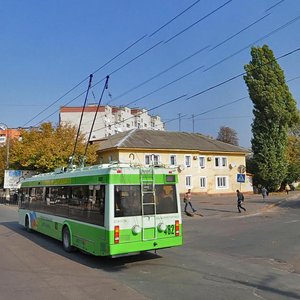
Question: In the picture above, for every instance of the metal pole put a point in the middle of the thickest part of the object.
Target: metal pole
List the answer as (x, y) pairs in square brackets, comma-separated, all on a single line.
[(193, 123), (7, 148)]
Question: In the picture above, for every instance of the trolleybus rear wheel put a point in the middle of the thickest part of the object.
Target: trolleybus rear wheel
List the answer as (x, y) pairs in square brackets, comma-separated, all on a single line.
[(66, 240)]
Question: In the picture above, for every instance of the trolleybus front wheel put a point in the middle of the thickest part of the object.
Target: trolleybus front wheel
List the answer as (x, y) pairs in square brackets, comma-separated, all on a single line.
[(66, 240), (27, 224)]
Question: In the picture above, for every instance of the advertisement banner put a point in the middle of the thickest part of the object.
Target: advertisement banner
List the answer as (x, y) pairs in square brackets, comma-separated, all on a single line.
[(13, 178)]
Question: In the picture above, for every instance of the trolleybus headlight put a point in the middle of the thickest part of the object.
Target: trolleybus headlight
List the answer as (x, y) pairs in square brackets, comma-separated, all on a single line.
[(136, 229), (161, 227)]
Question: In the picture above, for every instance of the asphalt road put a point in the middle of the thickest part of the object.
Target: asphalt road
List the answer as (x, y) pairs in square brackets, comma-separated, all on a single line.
[(237, 256)]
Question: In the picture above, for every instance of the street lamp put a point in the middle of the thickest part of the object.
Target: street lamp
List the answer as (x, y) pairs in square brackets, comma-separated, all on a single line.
[(4, 127)]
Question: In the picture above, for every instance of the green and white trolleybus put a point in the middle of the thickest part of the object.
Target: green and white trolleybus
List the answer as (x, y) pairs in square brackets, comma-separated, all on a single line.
[(107, 210)]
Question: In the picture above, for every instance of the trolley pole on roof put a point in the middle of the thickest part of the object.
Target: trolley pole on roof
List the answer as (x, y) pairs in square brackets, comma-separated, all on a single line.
[(78, 131), (92, 127)]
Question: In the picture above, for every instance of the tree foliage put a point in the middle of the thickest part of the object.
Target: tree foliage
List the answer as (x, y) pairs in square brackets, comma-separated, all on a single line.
[(293, 155), (228, 135), (48, 147), (275, 111)]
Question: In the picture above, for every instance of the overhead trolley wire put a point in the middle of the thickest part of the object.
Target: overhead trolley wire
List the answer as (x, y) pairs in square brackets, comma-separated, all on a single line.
[(164, 86), (177, 16), (101, 80), (153, 108), (256, 41), (274, 5), (218, 107), (159, 74), (116, 56), (239, 32), (78, 84), (206, 90), (195, 23), (241, 74)]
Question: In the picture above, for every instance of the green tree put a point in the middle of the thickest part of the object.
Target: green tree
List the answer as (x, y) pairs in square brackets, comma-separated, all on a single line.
[(293, 155), (228, 135), (275, 112), (48, 147)]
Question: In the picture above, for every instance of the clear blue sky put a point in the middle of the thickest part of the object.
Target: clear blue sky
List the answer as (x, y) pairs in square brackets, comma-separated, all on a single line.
[(47, 47)]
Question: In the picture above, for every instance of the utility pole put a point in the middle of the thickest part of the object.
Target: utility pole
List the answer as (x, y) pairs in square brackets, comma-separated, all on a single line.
[(179, 119), (193, 118)]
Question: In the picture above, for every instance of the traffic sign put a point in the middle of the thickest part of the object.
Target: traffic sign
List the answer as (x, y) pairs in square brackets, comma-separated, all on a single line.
[(240, 177)]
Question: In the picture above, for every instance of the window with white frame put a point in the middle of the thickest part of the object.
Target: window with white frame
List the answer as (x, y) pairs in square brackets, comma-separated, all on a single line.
[(188, 181), (202, 162), (220, 162), (202, 182), (173, 160), (152, 159), (188, 161), (221, 182)]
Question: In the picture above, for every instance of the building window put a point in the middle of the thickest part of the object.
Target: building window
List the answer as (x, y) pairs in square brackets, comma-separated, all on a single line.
[(173, 161), (188, 181), (188, 160), (152, 159), (220, 162), (202, 162), (202, 182), (222, 182)]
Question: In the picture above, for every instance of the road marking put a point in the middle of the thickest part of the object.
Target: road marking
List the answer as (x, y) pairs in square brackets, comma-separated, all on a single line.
[(293, 221)]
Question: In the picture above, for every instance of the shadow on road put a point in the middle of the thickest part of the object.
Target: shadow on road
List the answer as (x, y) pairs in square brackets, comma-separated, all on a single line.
[(104, 263)]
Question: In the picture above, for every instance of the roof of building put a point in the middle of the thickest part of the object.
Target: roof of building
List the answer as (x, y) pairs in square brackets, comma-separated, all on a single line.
[(155, 139)]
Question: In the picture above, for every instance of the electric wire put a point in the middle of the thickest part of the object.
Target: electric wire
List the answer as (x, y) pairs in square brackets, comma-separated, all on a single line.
[(221, 106), (241, 74), (274, 5), (151, 109), (109, 61), (164, 86), (239, 32), (163, 26), (198, 21), (78, 84), (206, 90), (159, 74), (256, 41), (101, 80)]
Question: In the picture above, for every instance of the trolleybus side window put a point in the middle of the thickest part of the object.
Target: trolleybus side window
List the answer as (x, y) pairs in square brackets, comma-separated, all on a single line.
[(127, 200), (83, 203)]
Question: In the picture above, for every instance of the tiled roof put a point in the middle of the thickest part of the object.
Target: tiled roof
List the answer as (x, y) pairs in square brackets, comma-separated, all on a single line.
[(152, 139)]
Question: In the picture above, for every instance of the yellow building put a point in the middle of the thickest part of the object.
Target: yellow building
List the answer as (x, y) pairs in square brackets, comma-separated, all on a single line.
[(204, 165)]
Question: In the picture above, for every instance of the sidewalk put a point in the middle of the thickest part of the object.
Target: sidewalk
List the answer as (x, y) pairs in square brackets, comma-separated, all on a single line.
[(226, 205)]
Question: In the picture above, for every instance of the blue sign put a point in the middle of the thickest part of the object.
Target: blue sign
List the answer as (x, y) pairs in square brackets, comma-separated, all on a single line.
[(240, 178)]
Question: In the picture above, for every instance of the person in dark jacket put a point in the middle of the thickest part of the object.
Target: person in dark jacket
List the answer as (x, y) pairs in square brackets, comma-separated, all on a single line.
[(240, 199)]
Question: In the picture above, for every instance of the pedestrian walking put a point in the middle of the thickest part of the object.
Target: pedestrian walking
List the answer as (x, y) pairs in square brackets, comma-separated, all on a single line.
[(187, 200), (264, 192), (287, 188), (240, 199)]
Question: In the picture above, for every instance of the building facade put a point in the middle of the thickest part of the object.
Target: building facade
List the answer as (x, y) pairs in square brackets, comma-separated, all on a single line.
[(109, 120), (204, 164)]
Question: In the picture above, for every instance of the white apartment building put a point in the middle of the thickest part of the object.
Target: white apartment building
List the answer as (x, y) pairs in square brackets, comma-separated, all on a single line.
[(109, 120)]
